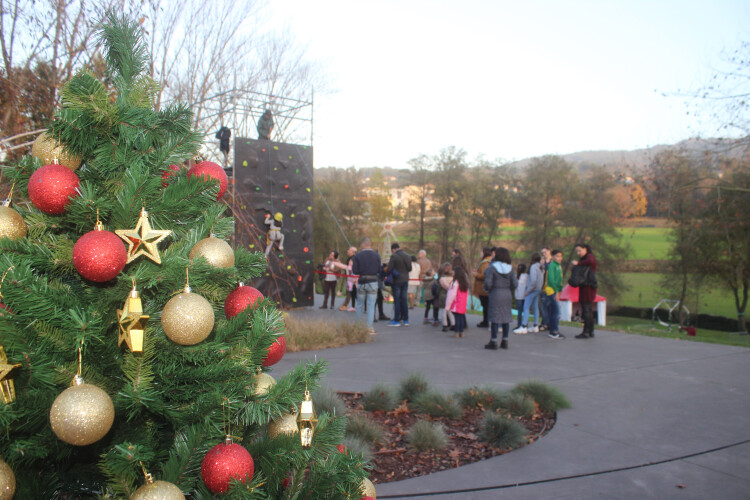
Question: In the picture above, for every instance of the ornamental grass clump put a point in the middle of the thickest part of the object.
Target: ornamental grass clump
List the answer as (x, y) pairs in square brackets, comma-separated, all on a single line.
[(487, 397), (502, 432), (380, 398), (436, 404), (550, 399), (412, 386), (326, 400), (517, 404), (426, 435), (364, 428), (304, 334), (359, 446)]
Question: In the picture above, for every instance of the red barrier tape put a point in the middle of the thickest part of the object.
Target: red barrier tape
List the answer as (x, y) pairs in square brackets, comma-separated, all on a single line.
[(355, 275)]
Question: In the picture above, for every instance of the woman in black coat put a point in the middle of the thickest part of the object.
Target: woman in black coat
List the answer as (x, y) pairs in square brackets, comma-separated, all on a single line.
[(499, 282)]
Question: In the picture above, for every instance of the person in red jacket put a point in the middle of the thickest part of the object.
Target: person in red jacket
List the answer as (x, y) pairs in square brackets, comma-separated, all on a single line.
[(586, 292)]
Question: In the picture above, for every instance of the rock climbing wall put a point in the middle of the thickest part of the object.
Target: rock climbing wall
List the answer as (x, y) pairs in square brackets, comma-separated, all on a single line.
[(277, 178)]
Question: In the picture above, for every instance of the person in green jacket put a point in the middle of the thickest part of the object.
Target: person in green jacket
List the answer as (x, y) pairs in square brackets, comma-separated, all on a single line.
[(551, 295)]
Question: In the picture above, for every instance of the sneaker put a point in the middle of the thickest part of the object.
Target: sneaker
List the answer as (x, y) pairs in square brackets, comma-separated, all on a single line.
[(426, 321), (371, 331), (491, 345), (543, 328), (351, 310), (383, 317), (394, 323), (534, 329), (482, 325), (342, 308), (555, 335), (503, 344), (436, 323), (583, 335), (404, 323), (521, 330)]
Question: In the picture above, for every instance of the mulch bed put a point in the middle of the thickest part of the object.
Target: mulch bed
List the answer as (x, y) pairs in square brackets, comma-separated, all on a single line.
[(394, 460)]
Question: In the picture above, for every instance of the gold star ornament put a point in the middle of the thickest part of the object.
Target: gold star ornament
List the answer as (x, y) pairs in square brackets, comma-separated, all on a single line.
[(6, 381), (143, 239), (132, 322)]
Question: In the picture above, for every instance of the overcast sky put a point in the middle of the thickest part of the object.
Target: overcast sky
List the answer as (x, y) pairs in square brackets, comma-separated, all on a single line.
[(508, 79)]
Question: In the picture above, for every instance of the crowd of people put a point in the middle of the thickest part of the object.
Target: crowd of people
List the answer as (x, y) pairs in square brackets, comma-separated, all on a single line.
[(446, 289)]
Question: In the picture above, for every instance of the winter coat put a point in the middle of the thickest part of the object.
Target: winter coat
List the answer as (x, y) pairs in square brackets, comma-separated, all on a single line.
[(427, 282), (478, 288), (401, 262), (460, 301), (587, 293), (499, 282), (445, 283), (521, 290)]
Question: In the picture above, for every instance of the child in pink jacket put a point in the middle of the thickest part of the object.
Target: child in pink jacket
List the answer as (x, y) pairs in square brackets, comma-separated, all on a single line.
[(458, 297)]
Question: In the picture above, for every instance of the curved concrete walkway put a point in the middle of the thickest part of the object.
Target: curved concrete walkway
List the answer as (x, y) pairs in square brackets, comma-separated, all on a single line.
[(637, 401)]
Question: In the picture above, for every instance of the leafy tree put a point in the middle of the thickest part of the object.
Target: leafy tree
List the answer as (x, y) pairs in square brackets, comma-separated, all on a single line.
[(344, 207), (172, 402), (421, 178), (450, 167)]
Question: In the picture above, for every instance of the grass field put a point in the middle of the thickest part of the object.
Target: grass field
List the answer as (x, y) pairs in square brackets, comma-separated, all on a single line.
[(647, 243), (644, 291), (641, 327)]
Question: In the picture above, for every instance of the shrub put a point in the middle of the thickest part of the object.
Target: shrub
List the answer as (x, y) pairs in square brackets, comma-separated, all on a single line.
[(436, 404), (305, 334), (326, 400), (359, 446), (480, 397), (381, 397), (549, 398), (426, 435), (412, 386), (517, 404), (501, 431), (363, 428)]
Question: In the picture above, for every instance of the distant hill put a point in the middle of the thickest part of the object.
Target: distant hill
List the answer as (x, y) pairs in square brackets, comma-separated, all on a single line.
[(585, 160)]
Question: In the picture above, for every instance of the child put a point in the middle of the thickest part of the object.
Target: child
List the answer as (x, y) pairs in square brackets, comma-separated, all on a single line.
[(523, 277), (429, 298), (445, 278), (459, 300)]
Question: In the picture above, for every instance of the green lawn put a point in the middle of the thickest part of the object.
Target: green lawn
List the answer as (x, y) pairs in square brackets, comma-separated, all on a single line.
[(644, 291), (642, 327), (647, 243)]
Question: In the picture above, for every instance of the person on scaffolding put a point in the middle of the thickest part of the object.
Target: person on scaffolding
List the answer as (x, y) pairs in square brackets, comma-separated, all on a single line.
[(265, 125), (274, 234)]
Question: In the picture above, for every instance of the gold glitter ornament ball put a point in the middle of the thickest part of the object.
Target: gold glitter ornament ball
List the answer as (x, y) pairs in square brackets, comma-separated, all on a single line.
[(217, 252), (12, 224), (286, 424), (368, 489), (7, 481), (49, 150), (158, 490), (187, 318), (262, 383), (82, 414)]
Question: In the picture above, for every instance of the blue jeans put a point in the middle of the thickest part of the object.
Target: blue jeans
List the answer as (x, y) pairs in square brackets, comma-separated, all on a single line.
[(367, 293), (400, 302), (519, 307), (553, 312), (527, 303), (460, 322)]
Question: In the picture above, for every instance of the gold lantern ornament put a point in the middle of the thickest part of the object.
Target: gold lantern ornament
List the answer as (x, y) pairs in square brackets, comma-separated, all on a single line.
[(48, 150), (187, 318), (368, 489), (307, 420), (12, 224), (217, 252), (132, 322), (7, 481), (287, 424), (7, 371), (82, 414), (262, 383), (157, 490)]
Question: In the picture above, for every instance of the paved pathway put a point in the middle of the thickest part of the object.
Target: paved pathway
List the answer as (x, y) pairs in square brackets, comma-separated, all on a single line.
[(646, 411)]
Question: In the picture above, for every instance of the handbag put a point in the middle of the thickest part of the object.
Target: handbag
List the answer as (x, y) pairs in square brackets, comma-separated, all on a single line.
[(390, 277), (578, 276)]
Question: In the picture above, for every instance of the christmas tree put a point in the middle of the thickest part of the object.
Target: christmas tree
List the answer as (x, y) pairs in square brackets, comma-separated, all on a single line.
[(134, 359)]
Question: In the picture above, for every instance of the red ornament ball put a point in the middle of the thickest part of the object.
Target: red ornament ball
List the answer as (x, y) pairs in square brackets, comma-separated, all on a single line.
[(224, 462), (50, 188), (240, 299), (99, 255), (275, 351), (167, 174), (210, 170)]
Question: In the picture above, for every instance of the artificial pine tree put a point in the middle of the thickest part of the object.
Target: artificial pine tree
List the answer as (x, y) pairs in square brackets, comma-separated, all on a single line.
[(172, 402)]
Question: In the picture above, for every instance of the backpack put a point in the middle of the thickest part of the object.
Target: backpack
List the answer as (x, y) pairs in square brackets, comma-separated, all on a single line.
[(390, 277)]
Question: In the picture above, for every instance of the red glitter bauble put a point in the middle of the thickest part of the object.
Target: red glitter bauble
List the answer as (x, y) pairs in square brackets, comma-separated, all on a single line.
[(167, 174), (275, 351), (210, 170), (224, 462), (99, 255), (240, 299), (50, 188)]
